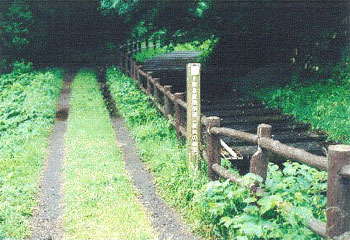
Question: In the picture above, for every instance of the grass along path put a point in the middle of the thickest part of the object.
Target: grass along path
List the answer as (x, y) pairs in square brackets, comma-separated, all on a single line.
[(100, 202), (27, 109)]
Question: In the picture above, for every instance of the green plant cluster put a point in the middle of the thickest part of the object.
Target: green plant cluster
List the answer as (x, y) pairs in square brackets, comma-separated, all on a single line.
[(27, 109), (27, 103), (220, 209), (323, 104), (293, 195), (203, 47)]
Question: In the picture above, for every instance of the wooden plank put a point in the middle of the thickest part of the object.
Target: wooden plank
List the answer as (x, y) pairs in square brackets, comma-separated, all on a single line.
[(229, 150)]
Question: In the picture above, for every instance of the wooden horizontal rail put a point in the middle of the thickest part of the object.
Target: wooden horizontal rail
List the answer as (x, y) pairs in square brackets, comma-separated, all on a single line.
[(143, 73), (160, 87), (170, 96), (318, 227), (224, 173), (293, 153), (182, 103), (228, 132)]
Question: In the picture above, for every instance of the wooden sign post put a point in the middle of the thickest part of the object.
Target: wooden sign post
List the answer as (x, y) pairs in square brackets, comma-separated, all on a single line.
[(193, 114)]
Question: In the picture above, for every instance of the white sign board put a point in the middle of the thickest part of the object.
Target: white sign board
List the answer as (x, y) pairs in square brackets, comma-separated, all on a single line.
[(193, 114)]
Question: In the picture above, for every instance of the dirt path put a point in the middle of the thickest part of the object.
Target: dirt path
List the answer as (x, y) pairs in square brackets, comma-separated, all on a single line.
[(166, 222), (47, 223)]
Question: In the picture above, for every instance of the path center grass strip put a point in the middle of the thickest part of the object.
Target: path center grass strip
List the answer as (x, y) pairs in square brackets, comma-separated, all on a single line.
[(100, 202)]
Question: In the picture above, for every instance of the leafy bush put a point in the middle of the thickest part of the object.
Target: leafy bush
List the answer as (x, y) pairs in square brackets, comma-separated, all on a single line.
[(203, 47), (149, 53), (220, 209), (27, 108), (294, 194), (16, 23)]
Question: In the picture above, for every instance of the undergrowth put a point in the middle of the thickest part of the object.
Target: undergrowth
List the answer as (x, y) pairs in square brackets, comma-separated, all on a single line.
[(100, 201), (323, 103), (27, 109), (203, 47), (219, 209)]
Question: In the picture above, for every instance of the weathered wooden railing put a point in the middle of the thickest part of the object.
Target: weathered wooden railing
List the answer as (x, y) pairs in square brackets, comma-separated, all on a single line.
[(174, 106)]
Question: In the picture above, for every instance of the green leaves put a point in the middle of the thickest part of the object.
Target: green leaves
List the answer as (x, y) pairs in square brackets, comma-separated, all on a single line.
[(15, 26), (25, 103), (324, 104), (269, 203)]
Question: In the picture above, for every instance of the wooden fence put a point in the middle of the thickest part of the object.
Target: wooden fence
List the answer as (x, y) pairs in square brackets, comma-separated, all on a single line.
[(174, 106)]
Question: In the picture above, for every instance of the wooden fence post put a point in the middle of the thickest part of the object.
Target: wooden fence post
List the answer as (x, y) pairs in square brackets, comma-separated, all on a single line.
[(338, 193), (154, 42), (139, 82), (132, 69), (147, 43), (139, 47), (167, 102), (135, 47), (135, 69), (148, 83), (128, 47), (259, 161), (131, 47), (213, 147), (156, 90), (126, 64), (179, 118)]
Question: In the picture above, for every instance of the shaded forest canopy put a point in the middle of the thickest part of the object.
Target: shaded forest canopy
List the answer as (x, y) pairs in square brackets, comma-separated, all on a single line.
[(248, 33)]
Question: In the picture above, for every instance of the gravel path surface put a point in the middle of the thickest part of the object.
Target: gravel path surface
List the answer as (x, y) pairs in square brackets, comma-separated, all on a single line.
[(47, 222)]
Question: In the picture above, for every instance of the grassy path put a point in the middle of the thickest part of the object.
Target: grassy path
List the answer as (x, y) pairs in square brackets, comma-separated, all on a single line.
[(100, 202)]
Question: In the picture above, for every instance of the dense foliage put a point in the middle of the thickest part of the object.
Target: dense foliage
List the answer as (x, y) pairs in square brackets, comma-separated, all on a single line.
[(322, 103), (27, 109), (37, 30), (203, 47), (250, 33), (325, 105), (220, 209)]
